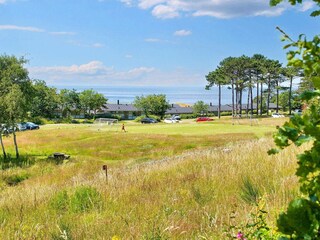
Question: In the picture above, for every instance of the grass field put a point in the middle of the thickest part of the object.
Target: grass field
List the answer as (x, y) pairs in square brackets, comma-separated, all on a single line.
[(166, 181)]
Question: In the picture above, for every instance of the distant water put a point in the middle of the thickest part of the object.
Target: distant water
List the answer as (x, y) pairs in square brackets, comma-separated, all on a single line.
[(188, 95)]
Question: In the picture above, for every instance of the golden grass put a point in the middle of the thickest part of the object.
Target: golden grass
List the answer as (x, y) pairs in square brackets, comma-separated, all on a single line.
[(184, 196)]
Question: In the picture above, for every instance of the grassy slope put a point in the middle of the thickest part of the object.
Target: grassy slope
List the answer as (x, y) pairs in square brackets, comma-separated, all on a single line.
[(185, 196)]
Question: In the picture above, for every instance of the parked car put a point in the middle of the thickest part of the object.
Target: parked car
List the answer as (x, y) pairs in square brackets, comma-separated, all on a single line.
[(176, 117), (31, 125), (204, 119), (170, 120), (21, 127), (276, 115), (297, 111), (148, 120)]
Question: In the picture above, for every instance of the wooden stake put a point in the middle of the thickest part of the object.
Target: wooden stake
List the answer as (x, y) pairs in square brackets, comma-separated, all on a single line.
[(105, 168)]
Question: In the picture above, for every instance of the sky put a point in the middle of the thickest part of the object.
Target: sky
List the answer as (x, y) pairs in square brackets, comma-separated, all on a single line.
[(144, 42)]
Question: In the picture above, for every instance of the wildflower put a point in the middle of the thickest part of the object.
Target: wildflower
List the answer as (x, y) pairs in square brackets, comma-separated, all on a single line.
[(240, 236)]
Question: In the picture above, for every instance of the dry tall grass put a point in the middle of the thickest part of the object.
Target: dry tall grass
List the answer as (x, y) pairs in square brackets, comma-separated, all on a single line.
[(188, 196)]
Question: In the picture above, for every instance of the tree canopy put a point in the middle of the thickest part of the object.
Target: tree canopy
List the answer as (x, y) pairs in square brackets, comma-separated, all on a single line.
[(152, 104)]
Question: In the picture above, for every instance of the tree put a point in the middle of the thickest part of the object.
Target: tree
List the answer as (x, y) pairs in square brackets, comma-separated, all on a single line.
[(152, 104), (15, 93), (290, 73), (45, 100), (15, 110), (91, 101), (200, 108), (69, 102), (218, 78)]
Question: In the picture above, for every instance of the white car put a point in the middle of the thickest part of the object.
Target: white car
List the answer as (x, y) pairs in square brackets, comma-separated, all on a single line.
[(277, 115), (170, 120)]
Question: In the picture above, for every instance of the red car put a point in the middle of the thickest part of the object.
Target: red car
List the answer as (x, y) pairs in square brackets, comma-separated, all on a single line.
[(204, 119)]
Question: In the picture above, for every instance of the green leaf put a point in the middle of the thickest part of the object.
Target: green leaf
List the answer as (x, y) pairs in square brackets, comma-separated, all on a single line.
[(303, 139), (273, 151)]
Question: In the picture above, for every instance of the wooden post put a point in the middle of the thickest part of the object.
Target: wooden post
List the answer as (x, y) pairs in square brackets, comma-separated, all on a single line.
[(105, 168)]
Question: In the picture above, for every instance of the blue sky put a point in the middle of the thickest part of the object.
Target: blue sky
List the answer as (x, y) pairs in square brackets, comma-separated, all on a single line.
[(143, 42)]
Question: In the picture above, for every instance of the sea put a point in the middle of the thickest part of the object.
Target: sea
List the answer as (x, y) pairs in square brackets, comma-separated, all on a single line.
[(176, 94)]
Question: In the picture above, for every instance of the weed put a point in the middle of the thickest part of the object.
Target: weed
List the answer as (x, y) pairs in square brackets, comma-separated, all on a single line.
[(83, 199), (249, 192), (16, 179), (11, 162)]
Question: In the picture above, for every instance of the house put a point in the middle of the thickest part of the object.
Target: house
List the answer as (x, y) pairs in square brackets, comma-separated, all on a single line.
[(126, 111), (130, 112)]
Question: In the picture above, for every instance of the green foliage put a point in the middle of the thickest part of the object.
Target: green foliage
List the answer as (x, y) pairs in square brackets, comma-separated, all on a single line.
[(200, 108), (302, 218), (152, 104), (294, 2), (91, 101), (83, 199), (16, 179), (60, 201), (12, 162), (255, 228), (45, 100), (249, 193)]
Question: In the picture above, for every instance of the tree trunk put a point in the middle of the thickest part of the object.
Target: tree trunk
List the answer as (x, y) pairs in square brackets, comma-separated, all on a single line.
[(237, 99), (261, 97), (2, 147), (257, 97), (232, 89), (290, 93), (269, 93), (248, 101), (277, 82), (219, 104), (251, 100), (15, 144), (240, 101)]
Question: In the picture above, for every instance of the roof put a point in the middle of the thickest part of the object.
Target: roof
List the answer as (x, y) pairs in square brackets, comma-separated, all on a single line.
[(111, 107)]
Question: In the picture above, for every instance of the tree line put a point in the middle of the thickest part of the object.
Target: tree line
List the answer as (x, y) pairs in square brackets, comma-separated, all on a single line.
[(260, 77)]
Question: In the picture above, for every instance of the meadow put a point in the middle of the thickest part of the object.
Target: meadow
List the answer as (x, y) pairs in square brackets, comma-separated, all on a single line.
[(165, 181)]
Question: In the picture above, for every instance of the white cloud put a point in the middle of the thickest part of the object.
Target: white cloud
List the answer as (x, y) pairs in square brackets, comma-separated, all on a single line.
[(20, 28), (307, 5), (182, 33), (214, 8), (164, 11), (94, 72), (97, 73), (2, 1), (128, 56)]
